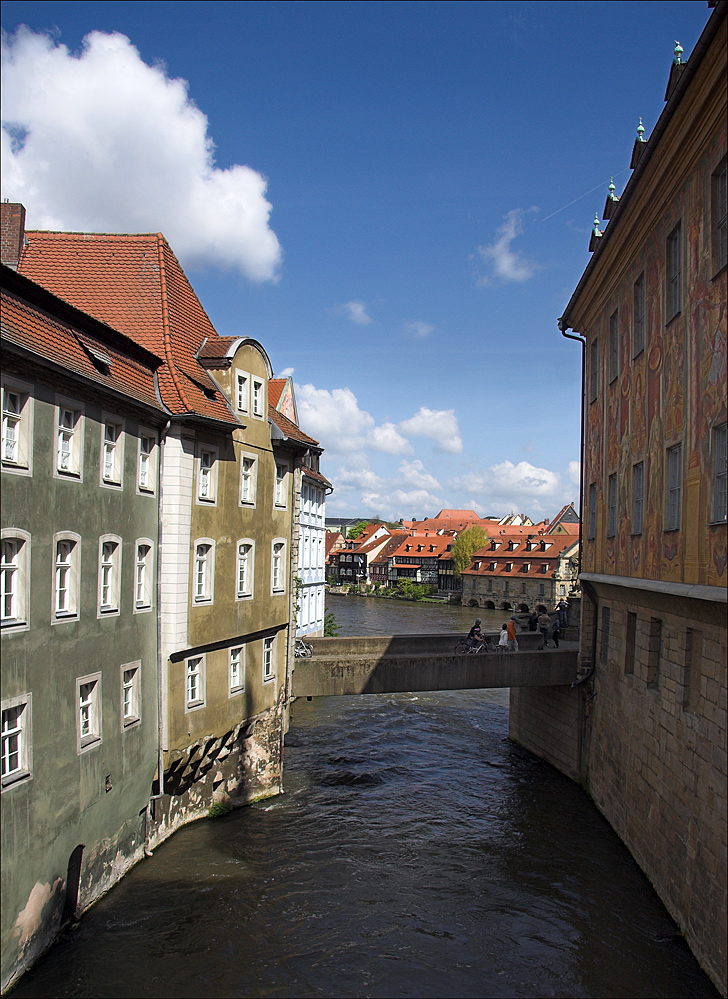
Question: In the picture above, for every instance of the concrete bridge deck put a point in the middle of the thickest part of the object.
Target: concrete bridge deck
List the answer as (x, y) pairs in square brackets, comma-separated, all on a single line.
[(403, 663)]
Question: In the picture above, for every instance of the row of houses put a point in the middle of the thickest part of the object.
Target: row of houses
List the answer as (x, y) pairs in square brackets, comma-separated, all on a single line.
[(523, 564), (163, 526)]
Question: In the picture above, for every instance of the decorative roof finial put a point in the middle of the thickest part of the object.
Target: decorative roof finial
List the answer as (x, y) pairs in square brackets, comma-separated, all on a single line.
[(640, 132), (597, 230), (612, 188), (678, 53)]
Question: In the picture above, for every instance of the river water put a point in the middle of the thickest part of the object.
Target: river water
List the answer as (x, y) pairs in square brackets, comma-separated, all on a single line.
[(416, 852)]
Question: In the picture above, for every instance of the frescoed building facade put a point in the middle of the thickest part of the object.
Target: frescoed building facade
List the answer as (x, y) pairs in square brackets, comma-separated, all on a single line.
[(651, 309)]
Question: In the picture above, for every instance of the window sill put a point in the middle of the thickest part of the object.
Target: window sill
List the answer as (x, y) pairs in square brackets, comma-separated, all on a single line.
[(65, 616), (202, 601), (719, 273), (107, 611), (670, 530), (717, 523), (131, 723), (194, 705), (90, 742), (640, 353), (636, 534), (14, 622), (673, 318), (13, 779), (237, 690), (15, 466), (66, 474)]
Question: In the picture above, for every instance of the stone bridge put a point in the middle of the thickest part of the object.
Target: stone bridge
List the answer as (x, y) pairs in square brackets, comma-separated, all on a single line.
[(386, 664)]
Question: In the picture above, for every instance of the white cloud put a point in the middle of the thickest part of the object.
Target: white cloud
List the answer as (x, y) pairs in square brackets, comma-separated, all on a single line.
[(506, 487), (101, 141), (286, 373), (506, 264), (357, 312), (413, 473), (387, 438), (356, 474), (401, 503), (333, 418), (440, 426), (574, 472), (419, 328)]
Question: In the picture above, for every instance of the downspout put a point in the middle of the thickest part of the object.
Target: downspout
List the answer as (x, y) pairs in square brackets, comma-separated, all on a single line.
[(582, 340), (160, 706)]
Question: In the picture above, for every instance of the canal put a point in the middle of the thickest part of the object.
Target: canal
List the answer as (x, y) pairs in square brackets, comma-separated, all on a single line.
[(415, 853)]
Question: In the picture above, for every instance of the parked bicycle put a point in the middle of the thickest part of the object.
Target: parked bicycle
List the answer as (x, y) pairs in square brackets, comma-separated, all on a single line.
[(302, 650)]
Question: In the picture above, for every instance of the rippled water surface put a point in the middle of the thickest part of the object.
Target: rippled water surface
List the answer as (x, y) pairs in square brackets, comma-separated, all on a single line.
[(416, 852)]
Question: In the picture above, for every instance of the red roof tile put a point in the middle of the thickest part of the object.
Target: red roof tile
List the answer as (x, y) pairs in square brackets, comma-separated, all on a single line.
[(79, 351), (134, 283)]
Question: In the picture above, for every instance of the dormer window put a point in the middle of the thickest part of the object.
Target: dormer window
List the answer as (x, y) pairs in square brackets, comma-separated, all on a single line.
[(493, 566), (509, 566)]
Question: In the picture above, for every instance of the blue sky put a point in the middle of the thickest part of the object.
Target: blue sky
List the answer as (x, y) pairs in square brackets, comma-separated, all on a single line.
[(395, 198)]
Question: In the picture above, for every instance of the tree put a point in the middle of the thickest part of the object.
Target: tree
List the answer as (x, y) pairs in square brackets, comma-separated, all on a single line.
[(467, 542), (358, 529)]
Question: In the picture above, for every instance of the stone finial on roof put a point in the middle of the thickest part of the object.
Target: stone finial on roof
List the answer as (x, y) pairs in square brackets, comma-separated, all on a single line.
[(596, 234), (639, 144), (611, 202)]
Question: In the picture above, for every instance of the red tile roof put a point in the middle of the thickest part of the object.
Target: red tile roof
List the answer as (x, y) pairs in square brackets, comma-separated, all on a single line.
[(76, 347), (289, 428), (275, 387), (135, 283)]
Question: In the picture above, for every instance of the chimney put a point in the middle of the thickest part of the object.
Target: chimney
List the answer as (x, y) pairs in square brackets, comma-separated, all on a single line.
[(12, 232)]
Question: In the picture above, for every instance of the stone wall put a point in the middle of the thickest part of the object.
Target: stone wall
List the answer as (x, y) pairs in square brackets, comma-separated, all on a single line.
[(645, 733)]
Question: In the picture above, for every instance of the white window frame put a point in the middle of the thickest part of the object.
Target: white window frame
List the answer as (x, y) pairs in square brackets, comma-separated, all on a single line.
[(14, 580), (268, 664), (66, 578), (130, 680), (17, 740), (203, 572), (241, 390), (195, 673), (109, 578), (147, 462), (245, 586), (69, 428), (236, 670), (278, 566), (674, 488), (89, 720), (207, 467), (720, 461), (111, 471), (248, 477), (258, 397), (280, 486), (17, 427), (143, 575)]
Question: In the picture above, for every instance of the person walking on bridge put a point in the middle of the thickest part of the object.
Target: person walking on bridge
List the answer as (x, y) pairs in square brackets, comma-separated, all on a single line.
[(512, 640), (544, 622), (555, 631)]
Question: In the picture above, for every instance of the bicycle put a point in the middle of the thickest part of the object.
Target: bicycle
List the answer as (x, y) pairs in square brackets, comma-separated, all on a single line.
[(302, 650), (466, 647)]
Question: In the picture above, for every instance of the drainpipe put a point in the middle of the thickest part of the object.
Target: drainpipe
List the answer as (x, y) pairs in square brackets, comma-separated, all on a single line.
[(582, 340), (160, 750)]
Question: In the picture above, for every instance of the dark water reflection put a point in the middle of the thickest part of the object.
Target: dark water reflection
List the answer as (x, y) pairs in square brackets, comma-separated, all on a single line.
[(416, 853)]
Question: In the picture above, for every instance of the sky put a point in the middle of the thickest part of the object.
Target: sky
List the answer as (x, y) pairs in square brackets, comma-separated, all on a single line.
[(394, 198)]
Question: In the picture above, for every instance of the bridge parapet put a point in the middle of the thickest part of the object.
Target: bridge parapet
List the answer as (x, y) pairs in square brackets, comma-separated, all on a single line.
[(326, 675), (408, 645)]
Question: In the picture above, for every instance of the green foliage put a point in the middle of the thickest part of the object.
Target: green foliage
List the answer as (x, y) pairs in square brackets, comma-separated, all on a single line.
[(467, 542), (358, 529), (218, 809), (408, 590), (331, 628)]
